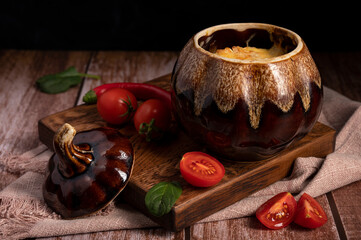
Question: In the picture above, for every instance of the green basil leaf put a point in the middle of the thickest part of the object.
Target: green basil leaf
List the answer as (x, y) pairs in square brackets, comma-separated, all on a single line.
[(160, 199), (60, 82), (55, 84), (71, 71)]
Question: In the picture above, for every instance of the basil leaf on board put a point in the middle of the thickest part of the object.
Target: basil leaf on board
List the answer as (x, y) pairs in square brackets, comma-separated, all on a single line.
[(60, 82), (161, 197)]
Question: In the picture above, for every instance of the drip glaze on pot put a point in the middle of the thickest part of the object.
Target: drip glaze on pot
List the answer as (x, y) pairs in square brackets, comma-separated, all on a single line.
[(88, 170), (258, 105)]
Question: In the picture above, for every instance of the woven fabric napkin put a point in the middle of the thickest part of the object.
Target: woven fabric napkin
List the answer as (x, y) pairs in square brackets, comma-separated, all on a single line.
[(23, 212)]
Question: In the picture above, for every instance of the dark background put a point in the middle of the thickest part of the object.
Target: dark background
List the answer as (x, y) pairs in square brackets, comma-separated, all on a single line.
[(152, 25)]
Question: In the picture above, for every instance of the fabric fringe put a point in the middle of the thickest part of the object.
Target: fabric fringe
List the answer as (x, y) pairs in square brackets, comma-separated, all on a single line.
[(18, 216), (35, 161)]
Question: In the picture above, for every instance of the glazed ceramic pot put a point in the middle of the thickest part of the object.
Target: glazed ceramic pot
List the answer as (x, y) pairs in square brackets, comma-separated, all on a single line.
[(248, 109)]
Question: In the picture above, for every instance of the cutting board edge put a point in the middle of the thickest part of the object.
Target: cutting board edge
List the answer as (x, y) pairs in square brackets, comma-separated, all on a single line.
[(45, 134), (173, 220), (176, 221), (281, 173)]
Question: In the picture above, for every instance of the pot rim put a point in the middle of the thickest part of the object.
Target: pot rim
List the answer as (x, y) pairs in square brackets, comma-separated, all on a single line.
[(243, 26)]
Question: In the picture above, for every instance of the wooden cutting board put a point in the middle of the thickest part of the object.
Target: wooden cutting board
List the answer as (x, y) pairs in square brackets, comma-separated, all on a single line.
[(157, 162)]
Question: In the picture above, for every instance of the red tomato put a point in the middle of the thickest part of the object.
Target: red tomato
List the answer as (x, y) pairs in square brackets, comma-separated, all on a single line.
[(200, 169), (117, 105), (278, 211), (152, 119), (309, 212)]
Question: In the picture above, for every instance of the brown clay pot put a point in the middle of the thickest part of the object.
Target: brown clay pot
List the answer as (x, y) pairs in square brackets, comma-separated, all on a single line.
[(246, 109), (88, 170)]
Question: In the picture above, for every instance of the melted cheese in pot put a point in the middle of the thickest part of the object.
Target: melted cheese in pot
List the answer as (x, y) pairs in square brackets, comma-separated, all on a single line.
[(249, 53)]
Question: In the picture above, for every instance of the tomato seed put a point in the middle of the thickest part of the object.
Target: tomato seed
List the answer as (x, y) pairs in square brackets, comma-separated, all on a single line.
[(277, 216), (203, 167), (315, 211)]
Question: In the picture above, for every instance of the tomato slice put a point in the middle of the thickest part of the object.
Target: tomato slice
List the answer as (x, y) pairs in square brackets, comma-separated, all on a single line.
[(309, 212), (200, 169), (278, 211)]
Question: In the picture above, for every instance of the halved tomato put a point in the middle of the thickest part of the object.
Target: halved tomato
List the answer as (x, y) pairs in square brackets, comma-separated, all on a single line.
[(278, 211), (200, 169), (309, 212)]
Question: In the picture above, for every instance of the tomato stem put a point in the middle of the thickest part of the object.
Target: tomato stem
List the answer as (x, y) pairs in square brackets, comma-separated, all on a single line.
[(128, 113), (148, 129)]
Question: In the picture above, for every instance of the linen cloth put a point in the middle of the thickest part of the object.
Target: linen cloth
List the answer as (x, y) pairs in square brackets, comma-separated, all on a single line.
[(23, 212)]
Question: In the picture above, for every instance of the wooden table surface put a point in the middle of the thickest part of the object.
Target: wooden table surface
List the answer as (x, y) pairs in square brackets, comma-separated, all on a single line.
[(22, 105)]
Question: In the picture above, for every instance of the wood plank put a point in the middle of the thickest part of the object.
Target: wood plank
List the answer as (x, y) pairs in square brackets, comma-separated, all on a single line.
[(22, 104), (251, 228), (348, 204), (11, 61), (159, 162), (128, 234), (84, 117), (117, 66), (347, 83), (120, 66), (342, 71)]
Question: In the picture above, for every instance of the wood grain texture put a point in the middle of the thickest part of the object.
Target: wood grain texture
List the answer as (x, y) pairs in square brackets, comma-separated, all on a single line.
[(135, 234), (117, 66), (348, 202), (341, 71), (157, 162), (19, 70), (84, 117), (251, 228), (21, 104)]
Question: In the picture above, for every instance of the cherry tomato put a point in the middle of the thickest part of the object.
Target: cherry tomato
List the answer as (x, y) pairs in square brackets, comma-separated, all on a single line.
[(152, 119), (278, 211), (200, 169), (117, 105), (309, 212)]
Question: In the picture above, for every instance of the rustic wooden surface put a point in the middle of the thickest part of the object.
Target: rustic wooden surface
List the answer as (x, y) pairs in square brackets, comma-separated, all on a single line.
[(158, 162), (22, 105)]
